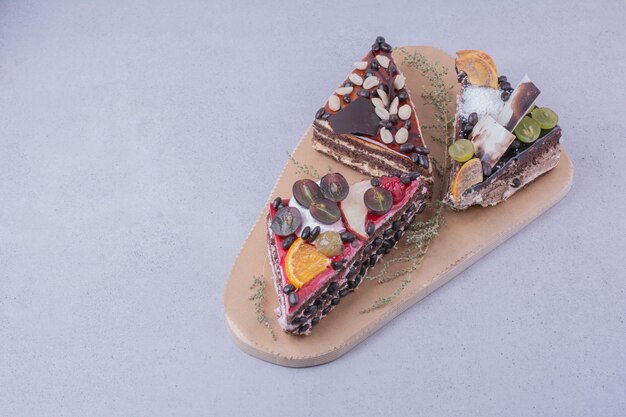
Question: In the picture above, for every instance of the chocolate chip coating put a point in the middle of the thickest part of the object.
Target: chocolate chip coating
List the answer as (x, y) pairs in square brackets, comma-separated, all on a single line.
[(293, 299), (310, 310)]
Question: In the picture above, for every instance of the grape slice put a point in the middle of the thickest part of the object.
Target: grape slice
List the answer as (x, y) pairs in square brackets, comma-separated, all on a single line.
[(286, 221), (329, 243), (378, 200), (334, 187), (527, 130), (325, 211), (546, 117), (305, 191), (461, 151)]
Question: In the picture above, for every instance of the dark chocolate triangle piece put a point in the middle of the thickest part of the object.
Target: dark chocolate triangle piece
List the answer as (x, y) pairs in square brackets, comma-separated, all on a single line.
[(358, 118)]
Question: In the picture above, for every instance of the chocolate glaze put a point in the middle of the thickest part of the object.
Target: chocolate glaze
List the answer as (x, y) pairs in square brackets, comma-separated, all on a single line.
[(359, 118)]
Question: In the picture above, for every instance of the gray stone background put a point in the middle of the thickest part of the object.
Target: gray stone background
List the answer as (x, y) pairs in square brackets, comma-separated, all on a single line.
[(139, 141)]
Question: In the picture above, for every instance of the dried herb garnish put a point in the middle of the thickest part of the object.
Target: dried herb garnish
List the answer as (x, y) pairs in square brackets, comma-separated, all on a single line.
[(258, 296), (421, 233)]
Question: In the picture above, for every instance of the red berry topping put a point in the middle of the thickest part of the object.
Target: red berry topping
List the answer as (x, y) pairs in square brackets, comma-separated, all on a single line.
[(394, 185)]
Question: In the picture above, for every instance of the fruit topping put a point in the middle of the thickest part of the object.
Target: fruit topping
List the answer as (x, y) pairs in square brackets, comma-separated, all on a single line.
[(304, 262), (479, 68), (546, 117), (329, 243), (471, 173), (528, 130), (462, 150), (521, 101), (395, 186), (334, 187), (354, 211), (490, 139), (305, 191), (481, 54), (286, 221), (378, 200), (325, 211)]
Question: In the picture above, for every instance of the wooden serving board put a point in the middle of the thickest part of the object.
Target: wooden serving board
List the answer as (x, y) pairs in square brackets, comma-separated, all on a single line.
[(466, 237)]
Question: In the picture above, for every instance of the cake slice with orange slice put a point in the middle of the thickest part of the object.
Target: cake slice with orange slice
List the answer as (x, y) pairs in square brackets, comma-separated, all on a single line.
[(502, 140), (325, 237)]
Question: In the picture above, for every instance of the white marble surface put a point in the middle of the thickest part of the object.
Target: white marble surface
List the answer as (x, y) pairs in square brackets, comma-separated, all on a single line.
[(128, 128)]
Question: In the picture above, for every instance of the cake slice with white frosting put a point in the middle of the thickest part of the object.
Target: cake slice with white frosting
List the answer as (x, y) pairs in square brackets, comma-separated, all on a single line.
[(502, 140)]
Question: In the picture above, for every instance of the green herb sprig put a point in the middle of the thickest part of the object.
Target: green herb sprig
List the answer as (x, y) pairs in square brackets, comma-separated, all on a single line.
[(258, 296), (421, 233)]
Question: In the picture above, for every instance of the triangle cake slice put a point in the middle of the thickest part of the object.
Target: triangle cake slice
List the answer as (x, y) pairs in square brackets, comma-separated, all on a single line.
[(509, 139), (324, 238), (369, 122)]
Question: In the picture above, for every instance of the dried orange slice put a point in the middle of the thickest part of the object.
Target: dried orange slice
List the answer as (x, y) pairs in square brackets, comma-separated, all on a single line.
[(304, 262), (471, 173), (479, 67), (479, 54)]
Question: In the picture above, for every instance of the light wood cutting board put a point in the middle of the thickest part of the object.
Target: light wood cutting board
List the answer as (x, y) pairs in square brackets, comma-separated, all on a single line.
[(466, 237)]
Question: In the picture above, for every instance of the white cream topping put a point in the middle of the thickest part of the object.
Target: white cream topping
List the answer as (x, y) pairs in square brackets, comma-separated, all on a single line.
[(481, 100)]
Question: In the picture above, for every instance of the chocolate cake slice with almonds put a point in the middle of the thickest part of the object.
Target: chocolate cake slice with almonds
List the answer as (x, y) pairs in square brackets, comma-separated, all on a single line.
[(502, 140), (323, 240), (369, 122)]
